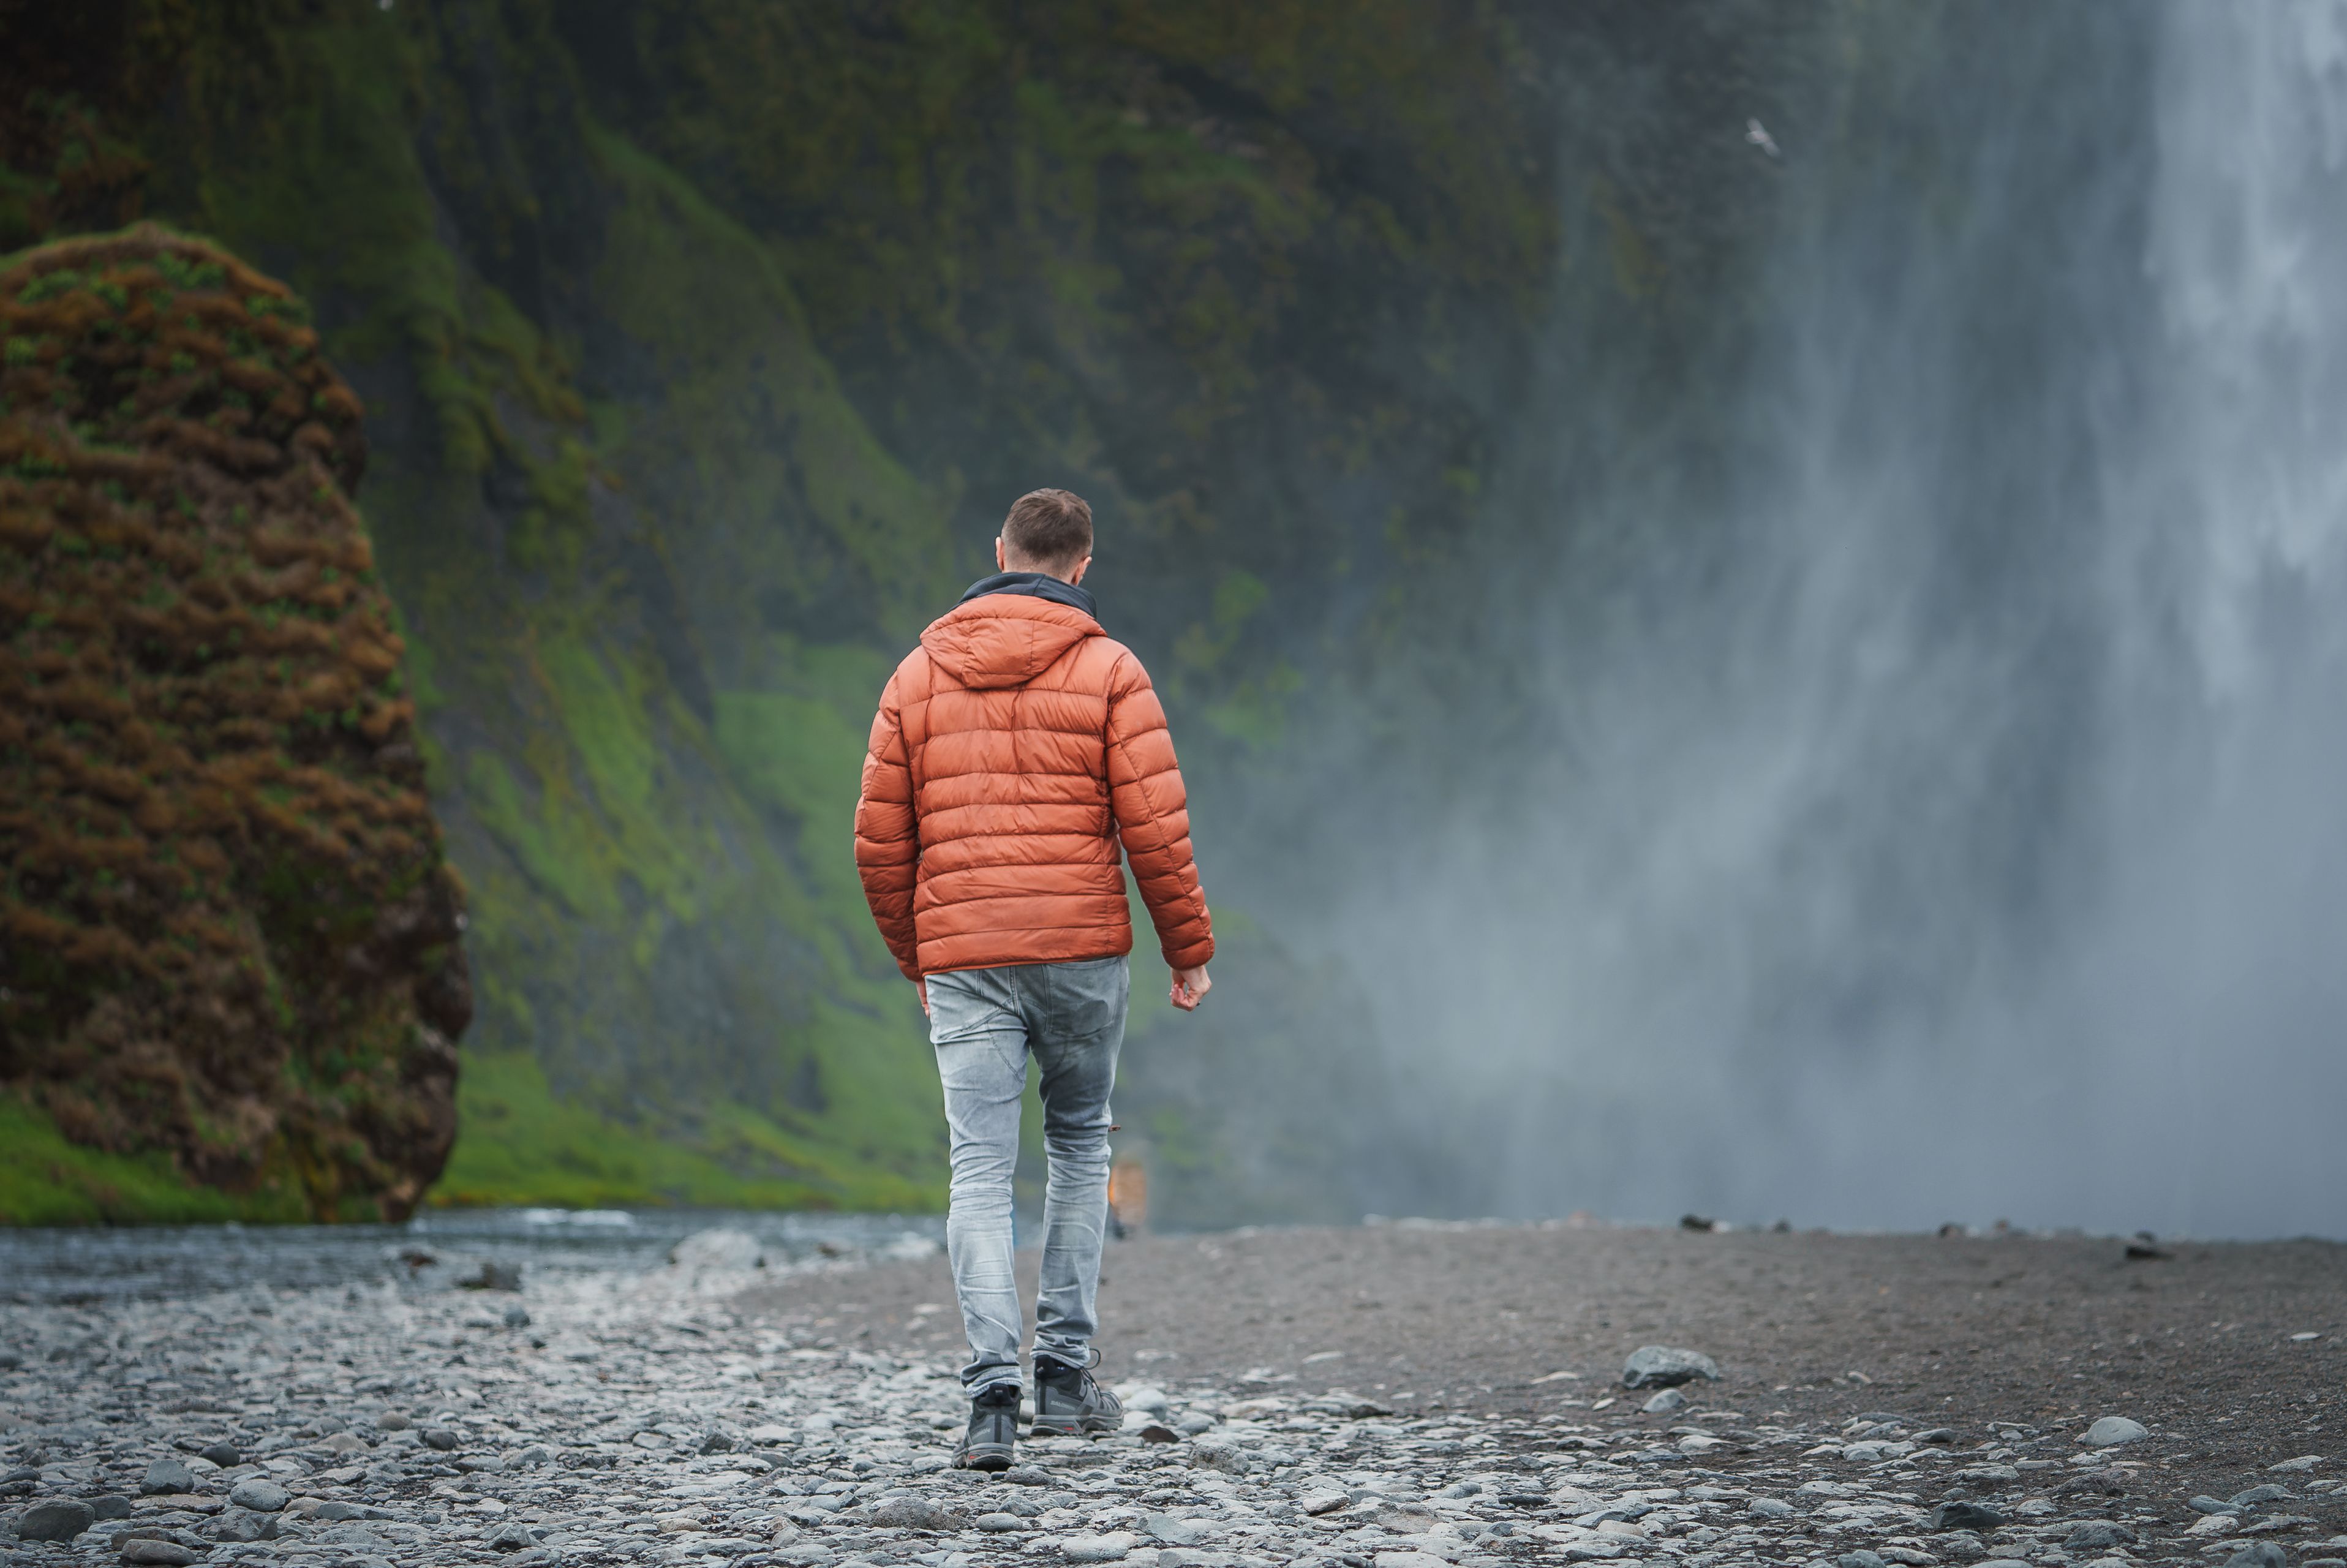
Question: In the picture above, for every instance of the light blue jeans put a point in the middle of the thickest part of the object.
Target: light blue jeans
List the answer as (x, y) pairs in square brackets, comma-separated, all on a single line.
[(984, 1023)]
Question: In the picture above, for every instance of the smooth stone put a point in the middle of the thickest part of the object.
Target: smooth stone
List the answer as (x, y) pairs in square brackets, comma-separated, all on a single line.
[(516, 1316), (1662, 1367), (493, 1276), (111, 1505), (2097, 1535), (1429, 1560), (165, 1554), (1963, 1513), (1859, 1560), (729, 1250), (167, 1477), (259, 1495), (221, 1454), (2263, 1554), (1770, 1508), (2002, 1563), (1146, 1398), (1176, 1531), (334, 1513), (2112, 1430), (2207, 1504), (2303, 1461), (58, 1518), (1668, 1401), (512, 1536), (913, 1513), (999, 1521), (1106, 1548), (2269, 1493), (441, 1438), (241, 1524), (1228, 1458)]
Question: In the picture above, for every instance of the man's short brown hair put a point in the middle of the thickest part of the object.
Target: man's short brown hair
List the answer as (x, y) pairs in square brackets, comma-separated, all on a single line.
[(1049, 530)]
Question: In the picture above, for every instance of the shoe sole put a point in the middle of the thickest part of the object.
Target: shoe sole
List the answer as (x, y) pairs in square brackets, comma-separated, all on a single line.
[(1088, 1425), (984, 1456)]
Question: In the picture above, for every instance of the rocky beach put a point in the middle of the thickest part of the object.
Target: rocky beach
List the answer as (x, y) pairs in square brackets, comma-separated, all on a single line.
[(1384, 1397)]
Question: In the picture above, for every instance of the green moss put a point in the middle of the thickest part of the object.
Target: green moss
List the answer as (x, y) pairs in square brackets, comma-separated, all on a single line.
[(47, 1181), (522, 1145)]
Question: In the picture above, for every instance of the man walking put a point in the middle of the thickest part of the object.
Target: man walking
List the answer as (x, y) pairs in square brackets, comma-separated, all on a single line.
[(1014, 750)]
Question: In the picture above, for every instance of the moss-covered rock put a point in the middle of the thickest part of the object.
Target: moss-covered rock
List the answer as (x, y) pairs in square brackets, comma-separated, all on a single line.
[(227, 932)]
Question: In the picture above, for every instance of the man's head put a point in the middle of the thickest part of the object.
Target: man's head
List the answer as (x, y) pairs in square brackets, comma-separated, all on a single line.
[(1049, 531)]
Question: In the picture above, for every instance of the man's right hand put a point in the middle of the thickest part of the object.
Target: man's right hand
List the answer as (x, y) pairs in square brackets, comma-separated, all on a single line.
[(1189, 988)]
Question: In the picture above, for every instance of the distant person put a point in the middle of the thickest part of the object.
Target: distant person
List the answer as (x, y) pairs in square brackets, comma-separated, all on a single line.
[(1015, 748)]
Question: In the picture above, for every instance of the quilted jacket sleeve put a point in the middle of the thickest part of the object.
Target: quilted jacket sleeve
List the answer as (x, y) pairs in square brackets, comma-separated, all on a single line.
[(887, 833), (1152, 817)]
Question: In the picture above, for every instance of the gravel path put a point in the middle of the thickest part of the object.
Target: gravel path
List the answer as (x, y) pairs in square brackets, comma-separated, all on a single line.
[(1392, 1398)]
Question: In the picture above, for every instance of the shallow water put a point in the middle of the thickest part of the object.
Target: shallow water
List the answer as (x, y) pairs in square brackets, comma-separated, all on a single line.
[(164, 1261)]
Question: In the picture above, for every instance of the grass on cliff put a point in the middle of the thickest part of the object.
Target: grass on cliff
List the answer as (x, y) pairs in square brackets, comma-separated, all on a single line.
[(47, 1181), (521, 1146)]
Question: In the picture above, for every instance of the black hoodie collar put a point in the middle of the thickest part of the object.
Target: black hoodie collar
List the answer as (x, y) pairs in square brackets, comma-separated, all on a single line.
[(1034, 585)]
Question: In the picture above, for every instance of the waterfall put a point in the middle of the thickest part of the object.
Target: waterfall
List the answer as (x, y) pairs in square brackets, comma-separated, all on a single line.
[(1945, 817)]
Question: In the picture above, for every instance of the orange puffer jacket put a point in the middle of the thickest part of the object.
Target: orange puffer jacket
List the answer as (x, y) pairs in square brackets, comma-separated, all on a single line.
[(1013, 749)]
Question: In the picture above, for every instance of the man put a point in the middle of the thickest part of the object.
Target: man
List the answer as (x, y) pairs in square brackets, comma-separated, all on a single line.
[(1014, 750)]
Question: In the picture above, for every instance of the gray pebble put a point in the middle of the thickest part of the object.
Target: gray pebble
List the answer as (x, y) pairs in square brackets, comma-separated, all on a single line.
[(259, 1495), (167, 1475), (914, 1514), (57, 1518), (2113, 1430), (1662, 1403), (1963, 1513), (110, 1505), (242, 1524), (2097, 1535), (442, 1438), (2262, 1554), (223, 1455), (164, 1554), (1662, 1367)]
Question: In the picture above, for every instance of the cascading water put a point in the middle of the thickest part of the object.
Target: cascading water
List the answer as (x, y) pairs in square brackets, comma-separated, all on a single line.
[(1943, 818)]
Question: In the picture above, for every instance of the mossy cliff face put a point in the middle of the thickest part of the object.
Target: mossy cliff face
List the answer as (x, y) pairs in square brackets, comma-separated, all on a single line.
[(226, 932), (702, 347)]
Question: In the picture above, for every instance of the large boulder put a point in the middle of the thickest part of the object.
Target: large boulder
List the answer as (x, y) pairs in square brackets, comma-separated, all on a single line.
[(226, 932)]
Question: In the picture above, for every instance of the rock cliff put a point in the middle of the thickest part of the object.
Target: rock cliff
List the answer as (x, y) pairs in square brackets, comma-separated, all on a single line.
[(227, 934)]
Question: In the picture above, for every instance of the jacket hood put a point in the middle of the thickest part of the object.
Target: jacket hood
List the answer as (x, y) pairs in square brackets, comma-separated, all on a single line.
[(1037, 585), (1007, 638)]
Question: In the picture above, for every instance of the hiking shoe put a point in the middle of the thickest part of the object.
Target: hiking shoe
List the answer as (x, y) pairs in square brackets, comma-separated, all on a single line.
[(993, 1430), (1067, 1400)]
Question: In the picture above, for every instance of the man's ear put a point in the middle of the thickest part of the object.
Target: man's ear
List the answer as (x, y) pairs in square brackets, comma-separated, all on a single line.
[(1001, 564), (1082, 567)]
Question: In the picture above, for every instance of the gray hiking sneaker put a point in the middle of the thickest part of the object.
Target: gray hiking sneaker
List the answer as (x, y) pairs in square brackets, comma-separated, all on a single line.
[(1067, 1400), (993, 1430)]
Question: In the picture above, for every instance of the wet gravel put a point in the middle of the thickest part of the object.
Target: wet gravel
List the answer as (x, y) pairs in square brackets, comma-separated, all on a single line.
[(1394, 1398)]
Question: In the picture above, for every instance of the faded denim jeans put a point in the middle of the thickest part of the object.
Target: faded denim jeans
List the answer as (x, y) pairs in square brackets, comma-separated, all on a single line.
[(984, 1023)]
